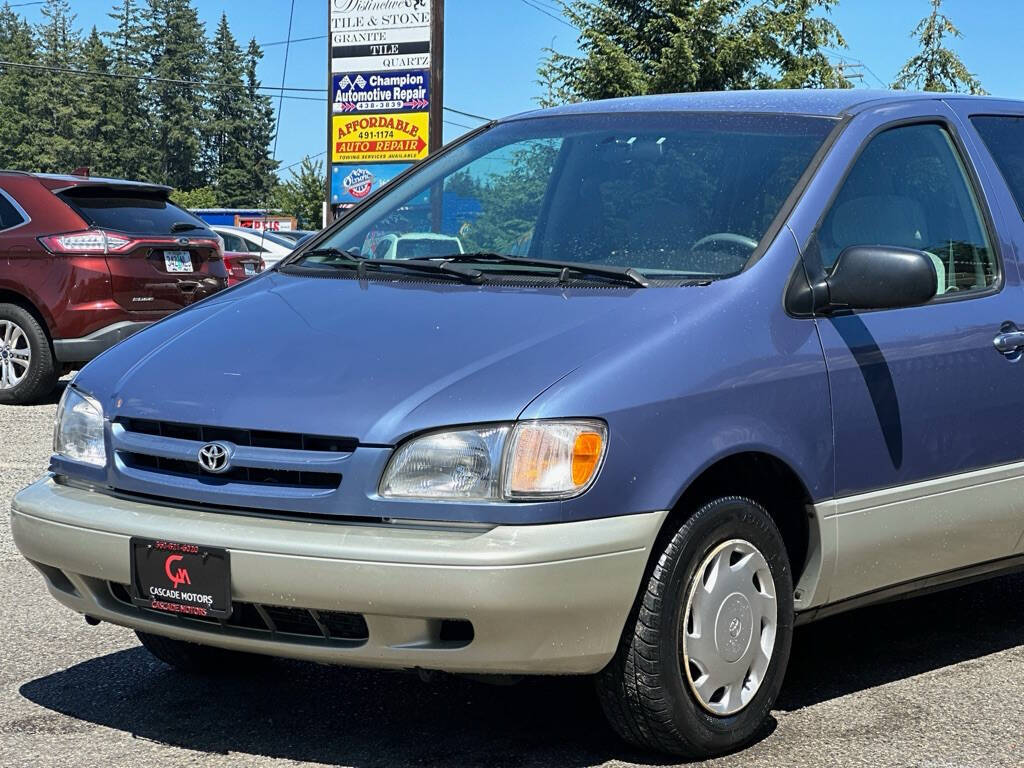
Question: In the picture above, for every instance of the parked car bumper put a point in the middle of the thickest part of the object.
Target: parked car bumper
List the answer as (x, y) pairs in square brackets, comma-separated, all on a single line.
[(87, 347), (542, 599)]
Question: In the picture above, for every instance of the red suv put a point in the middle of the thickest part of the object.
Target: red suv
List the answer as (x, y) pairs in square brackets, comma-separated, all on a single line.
[(86, 262)]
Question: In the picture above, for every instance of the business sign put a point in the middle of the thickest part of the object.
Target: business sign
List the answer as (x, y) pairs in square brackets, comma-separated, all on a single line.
[(380, 138), (352, 184), (268, 223), (385, 90), (379, 35), (400, 91)]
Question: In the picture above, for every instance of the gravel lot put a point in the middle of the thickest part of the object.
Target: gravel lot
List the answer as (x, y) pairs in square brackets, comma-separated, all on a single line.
[(935, 681)]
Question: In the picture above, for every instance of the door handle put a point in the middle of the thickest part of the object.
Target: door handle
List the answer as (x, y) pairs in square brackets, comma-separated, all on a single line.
[(1010, 341)]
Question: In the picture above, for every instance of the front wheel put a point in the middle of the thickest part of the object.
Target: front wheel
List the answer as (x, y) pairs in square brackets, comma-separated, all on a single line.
[(704, 652)]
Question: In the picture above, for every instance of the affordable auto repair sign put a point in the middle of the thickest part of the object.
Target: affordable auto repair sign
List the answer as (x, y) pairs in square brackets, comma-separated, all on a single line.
[(376, 138), (380, 89)]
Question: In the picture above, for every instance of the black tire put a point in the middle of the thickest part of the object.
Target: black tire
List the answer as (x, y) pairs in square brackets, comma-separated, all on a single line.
[(644, 691), (42, 372), (199, 659)]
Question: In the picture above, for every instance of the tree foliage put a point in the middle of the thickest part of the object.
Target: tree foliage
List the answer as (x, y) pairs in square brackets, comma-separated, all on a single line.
[(302, 196), (118, 119), (630, 47), (936, 67)]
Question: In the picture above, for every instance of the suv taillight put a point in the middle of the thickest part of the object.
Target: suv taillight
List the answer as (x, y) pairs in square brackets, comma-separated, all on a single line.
[(100, 242), (90, 241)]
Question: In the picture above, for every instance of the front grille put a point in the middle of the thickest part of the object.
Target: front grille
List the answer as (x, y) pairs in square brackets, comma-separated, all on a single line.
[(249, 437), (181, 468), (271, 619), (162, 450)]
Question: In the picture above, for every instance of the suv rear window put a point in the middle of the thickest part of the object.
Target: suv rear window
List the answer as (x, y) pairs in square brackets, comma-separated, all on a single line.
[(130, 211)]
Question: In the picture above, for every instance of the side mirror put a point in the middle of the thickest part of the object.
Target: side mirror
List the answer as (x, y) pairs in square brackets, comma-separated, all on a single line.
[(881, 277)]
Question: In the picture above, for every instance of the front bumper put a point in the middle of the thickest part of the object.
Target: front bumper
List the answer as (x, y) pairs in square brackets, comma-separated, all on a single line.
[(542, 599)]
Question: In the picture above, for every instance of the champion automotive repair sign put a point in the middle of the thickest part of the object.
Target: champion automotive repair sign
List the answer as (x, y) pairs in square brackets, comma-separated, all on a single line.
[(376, 91), (380, 91)]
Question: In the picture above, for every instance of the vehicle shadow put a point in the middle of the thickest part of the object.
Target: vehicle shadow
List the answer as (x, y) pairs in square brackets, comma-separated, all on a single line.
[(363, 718), (884, 643), (369, 718)]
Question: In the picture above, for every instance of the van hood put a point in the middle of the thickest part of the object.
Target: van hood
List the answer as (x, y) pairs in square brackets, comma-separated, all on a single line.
[(374, 360)]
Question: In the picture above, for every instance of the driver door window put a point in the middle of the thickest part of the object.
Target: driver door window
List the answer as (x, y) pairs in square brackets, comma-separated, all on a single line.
[(909, 189)]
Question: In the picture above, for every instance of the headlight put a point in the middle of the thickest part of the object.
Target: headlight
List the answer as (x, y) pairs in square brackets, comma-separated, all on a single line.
[(525, 461), (78, 433)]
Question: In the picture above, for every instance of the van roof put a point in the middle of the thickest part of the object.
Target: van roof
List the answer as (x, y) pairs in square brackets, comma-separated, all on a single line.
[(819, 102)]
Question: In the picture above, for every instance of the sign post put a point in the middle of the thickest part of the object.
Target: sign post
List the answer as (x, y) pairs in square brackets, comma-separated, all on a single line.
[(385, 66)]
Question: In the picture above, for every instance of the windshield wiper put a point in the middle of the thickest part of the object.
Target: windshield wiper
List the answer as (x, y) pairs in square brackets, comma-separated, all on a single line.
[(623, 274), (361, 264), (184, 226)]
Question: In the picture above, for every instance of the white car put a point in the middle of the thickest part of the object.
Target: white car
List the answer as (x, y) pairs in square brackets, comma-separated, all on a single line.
[(271, 246), (412, 245)]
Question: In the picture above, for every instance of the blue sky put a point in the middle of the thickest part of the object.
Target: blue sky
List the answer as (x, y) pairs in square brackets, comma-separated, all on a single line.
[(492, 48)]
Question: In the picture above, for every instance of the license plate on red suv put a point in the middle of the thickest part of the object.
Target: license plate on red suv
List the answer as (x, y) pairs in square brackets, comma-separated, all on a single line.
[(178, 261), (186, 579)]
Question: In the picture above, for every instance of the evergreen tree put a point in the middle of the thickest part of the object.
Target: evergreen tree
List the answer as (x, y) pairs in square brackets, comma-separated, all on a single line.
[(936, 67), (131, 128), (260, 128), (16, 124), (54, 143), (178, 51), (631, 47), (226, 129), (98, 145)]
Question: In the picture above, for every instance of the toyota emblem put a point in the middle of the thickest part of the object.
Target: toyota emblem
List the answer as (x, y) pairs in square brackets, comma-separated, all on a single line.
[(215, 458)]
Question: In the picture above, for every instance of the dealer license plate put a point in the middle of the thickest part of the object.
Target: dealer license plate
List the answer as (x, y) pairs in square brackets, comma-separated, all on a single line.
[(178, 261), (186, 579)]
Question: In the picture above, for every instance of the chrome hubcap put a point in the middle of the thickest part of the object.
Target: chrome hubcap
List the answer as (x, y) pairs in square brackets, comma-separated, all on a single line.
[(15, 354), (729, 627)]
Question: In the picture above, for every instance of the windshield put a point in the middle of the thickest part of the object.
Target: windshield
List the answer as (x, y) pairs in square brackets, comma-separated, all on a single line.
[(663, 193)]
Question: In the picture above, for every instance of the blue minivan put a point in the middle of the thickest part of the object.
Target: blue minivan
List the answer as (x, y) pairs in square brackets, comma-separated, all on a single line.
[(693, 369)]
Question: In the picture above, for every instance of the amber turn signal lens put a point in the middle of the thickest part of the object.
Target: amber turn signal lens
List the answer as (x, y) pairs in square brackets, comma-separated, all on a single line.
[(586, 453)]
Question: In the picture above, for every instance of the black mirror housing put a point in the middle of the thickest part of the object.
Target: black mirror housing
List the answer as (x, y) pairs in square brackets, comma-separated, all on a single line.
[(881, 277)]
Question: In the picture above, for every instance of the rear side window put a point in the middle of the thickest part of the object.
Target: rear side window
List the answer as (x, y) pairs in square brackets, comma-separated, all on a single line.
[(130, 211), (909, 189), (1004, 137), (234, 243), (9, 215)]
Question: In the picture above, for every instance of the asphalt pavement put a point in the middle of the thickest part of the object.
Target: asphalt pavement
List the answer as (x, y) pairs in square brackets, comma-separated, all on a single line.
[(936, 681)]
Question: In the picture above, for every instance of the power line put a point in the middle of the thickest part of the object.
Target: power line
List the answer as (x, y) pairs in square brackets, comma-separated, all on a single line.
[(460, 125), (151, 78), (280, 99), (467, 114), (279, 90), (858, 62), (296, 40), (547, 13), (299, 162)]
